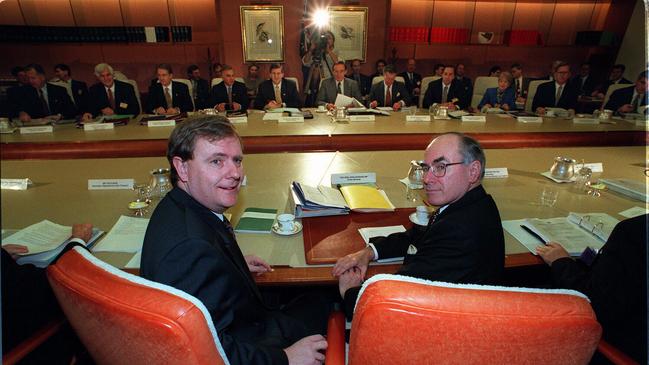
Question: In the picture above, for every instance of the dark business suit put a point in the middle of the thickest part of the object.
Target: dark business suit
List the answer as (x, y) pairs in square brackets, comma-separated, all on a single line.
[(467, 87), (465, 244), (490, 97), (455, 91), (585, 87), (79, 91), (266, 93), (219, 95), (623, 96), (14, 95), (524, 87), (616, 284), (329, 91), (603, 88), (57, 97), (364, 83), (411, 84), (546, 93), (202, 93), (188, 247), (399, 93), (125, 100), (180, 97)]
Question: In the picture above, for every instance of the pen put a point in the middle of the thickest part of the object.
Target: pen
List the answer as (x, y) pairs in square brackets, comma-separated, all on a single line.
[(534, 234)]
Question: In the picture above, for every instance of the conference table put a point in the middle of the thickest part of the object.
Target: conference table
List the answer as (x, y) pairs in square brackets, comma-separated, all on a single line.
[(385, 133), (59, 193)]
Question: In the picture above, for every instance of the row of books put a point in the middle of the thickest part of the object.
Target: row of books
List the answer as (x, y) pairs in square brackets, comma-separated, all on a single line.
[(15, 33)]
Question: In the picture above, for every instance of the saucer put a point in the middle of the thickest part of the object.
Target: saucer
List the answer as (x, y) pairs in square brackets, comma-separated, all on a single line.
[(321, 111), (297, 227), (413, 219)]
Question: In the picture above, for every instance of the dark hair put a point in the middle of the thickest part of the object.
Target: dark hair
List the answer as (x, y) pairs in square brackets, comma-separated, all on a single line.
[(439, 65), (340, 63), (458, 65), (585, 64), (390, 69), (471, 150), (516, 65), (191, 69), (183, 138), (643, 75), (494, 69), (164, 66), (36, 67), (16, 70), (450, 66), (216, 64), (225, 67), (274, 66), (558, 64), (380, 60), (253, 65), (356, 59), (619, 66), (63, 67), (329, 33)]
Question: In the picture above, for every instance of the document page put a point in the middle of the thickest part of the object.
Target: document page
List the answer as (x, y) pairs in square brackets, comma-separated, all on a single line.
[(370, 232), (127, 235), (569, 235), (40, 237), (599, 224)]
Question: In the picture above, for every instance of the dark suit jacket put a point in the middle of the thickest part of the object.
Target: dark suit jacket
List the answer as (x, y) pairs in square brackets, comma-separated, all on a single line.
[(180, 98), (58, 99), (188, 247), (266, 93), (14, 95), (524, 87), (603, 88), (546, 93), (588, 86), (124, 95), (329, 91), (465, 244), (202, 92), (412, 84), (365, 83), (399, 93), (616, 284), (623, 96), (219, 95), (434, 94), (467, 86)]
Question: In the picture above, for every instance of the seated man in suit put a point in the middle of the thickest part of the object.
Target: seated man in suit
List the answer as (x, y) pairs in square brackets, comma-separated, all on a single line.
[(389, 93), (630, 99), (584, 82), (14, 93), (521, 83), (253, 80), (217, 69), (413, 80), (558, 93), (277, 92), (364, 82), (110, 96), (77, 89), (200, 87), (503, 96), (439, 69), (616, 77), (190, 245), (463, 241), (167, 96), (43, 99), (446, 91), (465, 82), (379, 65), (331, 87), (229, 95), (615, 282)]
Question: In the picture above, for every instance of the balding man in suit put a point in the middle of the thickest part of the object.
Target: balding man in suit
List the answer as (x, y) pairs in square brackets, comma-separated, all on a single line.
[(42, 99), (110, 96), (167, 96), (338, 84)]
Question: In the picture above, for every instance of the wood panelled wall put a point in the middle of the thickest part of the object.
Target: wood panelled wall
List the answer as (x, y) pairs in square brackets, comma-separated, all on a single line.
[(216, 26)]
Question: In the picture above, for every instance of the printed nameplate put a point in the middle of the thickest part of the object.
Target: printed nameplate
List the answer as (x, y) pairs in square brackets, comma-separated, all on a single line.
[(98, 126), (530, 119), (594, 167), (110, 184), (417, 118), (474, 118), (161, 123), (14, 184), (362, 118), (353, 178), (238, 120), (585, 121), (496, 173), (291, 119), (39, 129), (642, 122)]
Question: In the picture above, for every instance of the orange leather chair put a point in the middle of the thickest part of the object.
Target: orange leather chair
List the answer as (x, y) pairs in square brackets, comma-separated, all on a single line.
[(124, 319), (401, 320)]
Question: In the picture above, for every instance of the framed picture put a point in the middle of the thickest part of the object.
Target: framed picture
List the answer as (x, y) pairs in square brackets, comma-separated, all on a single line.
[(349, 25), (263, 33)]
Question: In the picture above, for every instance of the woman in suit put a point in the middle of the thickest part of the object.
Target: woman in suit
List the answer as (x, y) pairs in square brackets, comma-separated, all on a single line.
[(503, 96)]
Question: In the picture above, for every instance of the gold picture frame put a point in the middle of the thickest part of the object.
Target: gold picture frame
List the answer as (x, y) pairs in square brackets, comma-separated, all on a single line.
[(262, 33), (349, 26)]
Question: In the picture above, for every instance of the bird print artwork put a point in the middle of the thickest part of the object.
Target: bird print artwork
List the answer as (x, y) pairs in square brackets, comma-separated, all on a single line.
[(346, 32), (262, 34)]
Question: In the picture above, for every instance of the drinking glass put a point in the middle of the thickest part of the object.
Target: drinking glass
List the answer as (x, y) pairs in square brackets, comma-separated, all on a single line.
[(549, 196)]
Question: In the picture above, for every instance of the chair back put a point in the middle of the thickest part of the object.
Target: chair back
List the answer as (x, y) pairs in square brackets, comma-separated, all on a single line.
[(240, 79), (190, 87), (531, 91), (215, 81), (297, 83), (124, 319), (378, 79), (424, 86), (402, 320), (611, 89), (119, 75), (137, 91), (482, 83)]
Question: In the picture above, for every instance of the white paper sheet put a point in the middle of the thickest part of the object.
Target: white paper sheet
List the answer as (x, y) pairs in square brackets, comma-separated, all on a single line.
[(40, 237), (127, 235), (369, 232)]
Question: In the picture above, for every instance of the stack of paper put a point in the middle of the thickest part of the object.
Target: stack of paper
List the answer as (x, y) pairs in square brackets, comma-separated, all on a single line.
[(310, 201)]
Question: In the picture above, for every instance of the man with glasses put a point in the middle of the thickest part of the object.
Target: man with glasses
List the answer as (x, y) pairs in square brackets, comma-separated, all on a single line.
[(463, 241), (558, 93)]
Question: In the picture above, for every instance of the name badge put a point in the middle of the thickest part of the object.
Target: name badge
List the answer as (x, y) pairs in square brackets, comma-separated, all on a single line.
[(39, 129), (161, 123), (496, 172), (417, 118), (530, 119), (291, 120), (474, 118), (238, 120), (123, 105), (110, 184), (585, 121), (361, 118), (98, 126), (595, 167), (355, 178)]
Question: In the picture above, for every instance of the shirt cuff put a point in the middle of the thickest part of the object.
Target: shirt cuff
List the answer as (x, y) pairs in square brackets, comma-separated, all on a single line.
[(403, 103), (77, 240), (376, 253)]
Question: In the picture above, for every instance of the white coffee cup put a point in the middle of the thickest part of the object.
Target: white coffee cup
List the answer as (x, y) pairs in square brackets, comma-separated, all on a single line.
[(422, 214), (4, 123), (321, 108), (286, 222), (549, 113)]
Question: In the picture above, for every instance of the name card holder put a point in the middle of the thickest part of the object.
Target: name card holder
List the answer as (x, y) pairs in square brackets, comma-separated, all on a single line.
[(353, 178), (39, 129), (291, 120), (474, 118), (15, 184), (530, 120), (362, 118), (161, 123), (238, 120), (110, 184), (594, 167), (417, 118), (496, 173), (585, 121), (98, 127)]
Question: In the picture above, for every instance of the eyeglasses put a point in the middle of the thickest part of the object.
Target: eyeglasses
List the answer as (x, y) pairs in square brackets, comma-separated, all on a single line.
[(439, 169)]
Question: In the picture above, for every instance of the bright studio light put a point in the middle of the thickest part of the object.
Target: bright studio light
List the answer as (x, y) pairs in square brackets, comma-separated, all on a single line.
[(321, 18)]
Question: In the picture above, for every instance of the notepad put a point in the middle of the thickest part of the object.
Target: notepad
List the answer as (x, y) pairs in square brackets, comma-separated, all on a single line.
[(256, 220), (365, 198)]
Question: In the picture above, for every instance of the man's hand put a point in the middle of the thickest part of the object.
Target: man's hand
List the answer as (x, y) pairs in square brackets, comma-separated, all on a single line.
[(540, 111), (220, 107), (307, 351), (273, 104), (349, 279), (416, 91), (236, 106), (83, 231), (505, 107), (330, 106), (86, 117), (626, 108), (54, 117), (160, 110), (374, 104), (551, 252), (107, 111), (520, 99), (24, 117), (360, 259), (397, 106), (15, 250), (172, 111), (257, 265)]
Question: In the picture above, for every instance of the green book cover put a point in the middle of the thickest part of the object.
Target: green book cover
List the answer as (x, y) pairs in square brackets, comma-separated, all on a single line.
[(256, 220)]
